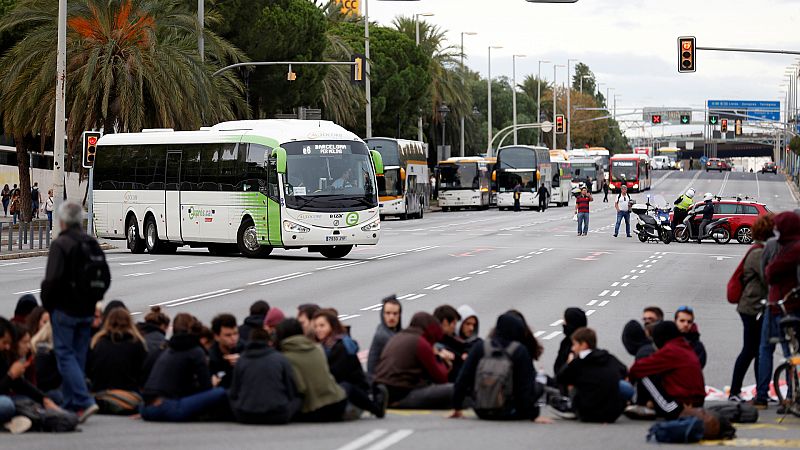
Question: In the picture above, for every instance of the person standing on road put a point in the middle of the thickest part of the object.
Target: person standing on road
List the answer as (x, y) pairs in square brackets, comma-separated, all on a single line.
[(708, 216), (517, 195), (71, 305), (623, 207), (48, 209), (542, 193), (582, 210), (754, 289), (6, 194), (605, 190), (681, 209)]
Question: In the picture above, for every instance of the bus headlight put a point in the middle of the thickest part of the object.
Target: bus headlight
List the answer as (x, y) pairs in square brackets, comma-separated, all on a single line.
[(372, 226), (292, 227), (636, 186)]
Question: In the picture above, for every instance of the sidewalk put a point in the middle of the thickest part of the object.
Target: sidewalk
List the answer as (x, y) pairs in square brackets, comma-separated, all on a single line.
[(28, 253)]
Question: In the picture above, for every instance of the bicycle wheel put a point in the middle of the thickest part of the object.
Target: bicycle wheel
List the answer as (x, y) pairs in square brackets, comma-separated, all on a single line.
[(785, 377)]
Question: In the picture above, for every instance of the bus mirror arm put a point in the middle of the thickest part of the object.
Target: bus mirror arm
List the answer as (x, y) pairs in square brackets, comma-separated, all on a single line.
[(280, 156)]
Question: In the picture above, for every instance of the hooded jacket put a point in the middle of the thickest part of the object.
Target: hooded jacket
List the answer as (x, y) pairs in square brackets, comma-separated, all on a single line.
[(636, 341), (754, 286), (596, 380), (508, 329), (782, 272), (574, 318), (677, 364), (154, 337), (62, 262), (466, 311), (250, 323), (312, 377), (408, 360), (218, 365), (693, 338), (262, 384), (181, 370), (382, 335), (344, 363)]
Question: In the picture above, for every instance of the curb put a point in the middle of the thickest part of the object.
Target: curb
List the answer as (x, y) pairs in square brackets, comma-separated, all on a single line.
[(793, 188), (35, 253)]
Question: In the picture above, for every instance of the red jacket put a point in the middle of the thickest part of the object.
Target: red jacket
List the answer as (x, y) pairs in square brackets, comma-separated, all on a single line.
[(781, 273), (408, 361), (679, 368)]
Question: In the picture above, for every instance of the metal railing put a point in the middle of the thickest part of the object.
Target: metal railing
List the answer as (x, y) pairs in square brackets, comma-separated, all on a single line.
[(24, 236)]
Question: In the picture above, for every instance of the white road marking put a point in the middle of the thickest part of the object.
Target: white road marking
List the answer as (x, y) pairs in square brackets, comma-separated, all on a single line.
[(500, 266), (374, 307), (557, 323), (30, 268), (454, 279), (216, 261), (625, 284), (642, 271), (358, 263), (640, 265), (139, 263), (514, 262), (190, 297), (474, 272), (178, 268), (13, 263), (441, 287), (405, 296), (300, 275), (32, 291), (615, 293), (591, 302), (414, 297), (539, 333), (615, 284), (508, 261), (604, 293), (433, 286), (363, 440), (273, 278), (140, 274), (551, 335), (390, 440), (604, 303), (625, 277), (633, 271), (348, 317), (590, 312), (422, 249), (649, 265), (387, 256), (634, 277), (204, 298), (465, 279)]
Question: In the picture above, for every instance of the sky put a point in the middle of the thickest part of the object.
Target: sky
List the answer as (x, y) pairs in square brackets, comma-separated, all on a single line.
[(630, 45)]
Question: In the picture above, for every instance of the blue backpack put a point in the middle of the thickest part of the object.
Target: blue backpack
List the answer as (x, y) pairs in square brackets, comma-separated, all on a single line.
[(680, 431)]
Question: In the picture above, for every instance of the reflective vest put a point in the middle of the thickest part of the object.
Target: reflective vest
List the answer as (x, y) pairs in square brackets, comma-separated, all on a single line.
[(685, 203)]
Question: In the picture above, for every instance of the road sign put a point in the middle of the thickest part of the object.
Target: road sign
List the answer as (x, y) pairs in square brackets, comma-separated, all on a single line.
[(349, 7), (547, 126), (737, 129), (686, 119), (655, 119), (703, 160), (671, 115), (713, 120), (753, 110)]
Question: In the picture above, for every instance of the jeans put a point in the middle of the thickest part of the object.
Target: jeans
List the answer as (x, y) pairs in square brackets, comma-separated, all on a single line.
[(186, 408), (71, 336), (605, 197), (542, 203), (328, 413), (5, 206), (626, 390), (751, 341), (7, 409), (623, 215), (769, 329), (583, 222), (436, 396), (49, 219)]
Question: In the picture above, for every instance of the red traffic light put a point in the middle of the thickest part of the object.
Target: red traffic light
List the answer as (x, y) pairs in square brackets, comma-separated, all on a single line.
[(92, 140), (656, 118)]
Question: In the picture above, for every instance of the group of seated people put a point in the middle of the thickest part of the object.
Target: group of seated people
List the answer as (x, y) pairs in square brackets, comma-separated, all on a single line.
[(273, 369)]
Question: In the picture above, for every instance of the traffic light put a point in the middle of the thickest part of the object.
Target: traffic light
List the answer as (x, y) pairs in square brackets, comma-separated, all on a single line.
[(686, 119), (713, 120), (357, 72), (723, 125), (655, 119), (560, 124), (686, 53), (737, 130), (90, 139)]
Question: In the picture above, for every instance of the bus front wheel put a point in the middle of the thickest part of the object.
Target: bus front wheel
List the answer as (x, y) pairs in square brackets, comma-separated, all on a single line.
[(336, 251), (247, 240)]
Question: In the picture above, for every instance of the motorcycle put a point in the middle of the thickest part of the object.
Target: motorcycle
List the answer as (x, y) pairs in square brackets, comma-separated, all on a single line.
[(652, 220), (717, 230)]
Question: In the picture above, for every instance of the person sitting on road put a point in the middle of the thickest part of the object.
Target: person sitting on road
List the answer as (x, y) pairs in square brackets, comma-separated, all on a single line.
[(574, 318), (391, 324), (25, 305), (255, 321), (413, 370), (449, 318), (684, 319), (262, 384), (226, 349), (636, 340), (305, 315), (154, 329), (468, 328), (708, 216), (271, 321), (597, 379), (521, 404), (342, 353), (530, 342), (681, 382), (323, 399), (652, 314), (180, 387)]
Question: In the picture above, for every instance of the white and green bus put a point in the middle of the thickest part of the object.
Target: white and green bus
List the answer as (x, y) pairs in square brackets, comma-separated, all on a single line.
[(238, 187)]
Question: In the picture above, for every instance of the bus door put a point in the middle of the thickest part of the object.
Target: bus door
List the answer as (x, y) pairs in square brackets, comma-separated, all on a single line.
[(412, 199), (172, 202)]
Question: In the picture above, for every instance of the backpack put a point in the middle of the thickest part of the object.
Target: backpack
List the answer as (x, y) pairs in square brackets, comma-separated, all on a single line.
[(736, 412), (48, 420), (736, 283), (93, 276), (494, 379), (715, 426), (118, 402), (683, 430)]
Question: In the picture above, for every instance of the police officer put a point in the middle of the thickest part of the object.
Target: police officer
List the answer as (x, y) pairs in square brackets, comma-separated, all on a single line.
[(681, 209)]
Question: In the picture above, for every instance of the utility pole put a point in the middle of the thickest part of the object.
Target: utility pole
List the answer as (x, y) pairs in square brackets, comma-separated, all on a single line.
[(514, 92), (539, 100), (569, 104), (201, 43), (419, 118), (367, 87), (555, 103), (463, 33), (489, 103), (61, 121)]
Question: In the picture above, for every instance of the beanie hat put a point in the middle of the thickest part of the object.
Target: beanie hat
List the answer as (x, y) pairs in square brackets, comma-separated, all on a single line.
[(274, 317)]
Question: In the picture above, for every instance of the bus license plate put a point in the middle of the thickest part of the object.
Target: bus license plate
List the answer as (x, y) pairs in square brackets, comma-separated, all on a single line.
[(335, 238)]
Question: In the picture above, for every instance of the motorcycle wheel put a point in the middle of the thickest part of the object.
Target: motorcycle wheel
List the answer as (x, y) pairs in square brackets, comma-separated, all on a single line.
[(681, 234), (642, 237), (666, 236), (721, 235)]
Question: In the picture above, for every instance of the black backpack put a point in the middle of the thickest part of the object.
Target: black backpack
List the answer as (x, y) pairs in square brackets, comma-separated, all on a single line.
[(47, 420), (92, 275), (736, 412), (683, 430), (494, 380)]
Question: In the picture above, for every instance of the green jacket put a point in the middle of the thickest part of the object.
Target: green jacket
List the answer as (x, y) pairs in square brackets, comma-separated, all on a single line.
[(312, 376)]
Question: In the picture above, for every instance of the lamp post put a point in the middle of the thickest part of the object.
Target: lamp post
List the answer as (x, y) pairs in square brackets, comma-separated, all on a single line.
[(201, 14), (60, 129), (489, 103), (555, 103), (416, 23), (569, 104), (539, 100), (615, 106), (443, 111), (514, 92), (598, 88), (463, 33)]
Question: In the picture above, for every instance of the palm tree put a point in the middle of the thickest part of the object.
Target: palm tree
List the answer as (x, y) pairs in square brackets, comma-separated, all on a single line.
[(342, 99)]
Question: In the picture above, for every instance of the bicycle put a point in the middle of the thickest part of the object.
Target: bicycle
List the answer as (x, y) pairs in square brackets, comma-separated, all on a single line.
[(787, 371)]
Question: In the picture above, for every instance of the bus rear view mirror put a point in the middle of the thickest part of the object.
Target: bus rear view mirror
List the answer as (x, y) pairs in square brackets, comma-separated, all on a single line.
[(280, 157), (377, 160)]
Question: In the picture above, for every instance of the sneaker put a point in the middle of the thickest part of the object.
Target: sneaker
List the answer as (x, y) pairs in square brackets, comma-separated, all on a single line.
[(735, 398), (18, 425), (84, 414), (562, 407), (639, 412), (616, 235), (381, 399), (759, 403), (630, 235)]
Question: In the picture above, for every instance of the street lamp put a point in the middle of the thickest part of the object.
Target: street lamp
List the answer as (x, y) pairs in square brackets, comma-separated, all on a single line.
[(598, 88), (539, 99), (514, 92), (569, 104), (416, 23), (443, 111), (555, 103), (608, 89), (463, 33), (489, 102)]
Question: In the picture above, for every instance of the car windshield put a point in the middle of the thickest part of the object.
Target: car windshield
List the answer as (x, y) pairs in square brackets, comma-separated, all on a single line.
[(325, 175), (459, 176), (623, 171)]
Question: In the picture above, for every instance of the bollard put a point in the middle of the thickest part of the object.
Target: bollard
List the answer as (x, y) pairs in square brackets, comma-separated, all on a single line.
[(30, 235), (1, 237), (10, 237), (19, 236), (40, 234), (47, 234)]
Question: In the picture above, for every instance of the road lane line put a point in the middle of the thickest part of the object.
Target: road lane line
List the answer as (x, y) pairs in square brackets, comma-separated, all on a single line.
[(464, 279), (615, 293), (500, 266), (551, 335), (649, 266), (474, 272), (405, 296), (483, 272), (190, 297), (349, 265), (557, 323), (441, 287), (642, 271), (539, 333), (390, 440), (414, 297), (591, 303), (285, 279), (32, 291), (370, 308), (363, 440), (604, 303), (433, 286), (273, 278), (139, 263), (29, 268), (633, 271), (348, 317), (615, 284), (625, 284), (634, 277), (625, 277), (178, 268), (216, 261), (173, 305), (139, 274), (604, 293)]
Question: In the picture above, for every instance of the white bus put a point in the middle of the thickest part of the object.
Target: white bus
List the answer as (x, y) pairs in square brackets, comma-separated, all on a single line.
[(464, 183), (588, 171), (245, 186), (526, 166), (405, 186), (604, 155), (561, 190)]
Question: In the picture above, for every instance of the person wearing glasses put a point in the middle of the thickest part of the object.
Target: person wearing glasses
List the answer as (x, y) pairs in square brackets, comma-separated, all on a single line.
[(684, 318)]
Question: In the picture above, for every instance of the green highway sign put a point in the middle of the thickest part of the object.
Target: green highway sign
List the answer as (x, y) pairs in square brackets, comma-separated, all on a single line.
[(713, 120), (686, 119)]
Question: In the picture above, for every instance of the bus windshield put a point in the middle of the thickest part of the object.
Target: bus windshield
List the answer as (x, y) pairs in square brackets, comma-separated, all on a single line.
[(388, 150), (517, 158), (389, 185), (507, 181), (323, 175), (584, 171), (459, 176), (624, 171)]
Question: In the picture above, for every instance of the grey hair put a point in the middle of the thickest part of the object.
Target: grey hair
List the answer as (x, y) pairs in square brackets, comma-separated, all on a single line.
[(70, 213)]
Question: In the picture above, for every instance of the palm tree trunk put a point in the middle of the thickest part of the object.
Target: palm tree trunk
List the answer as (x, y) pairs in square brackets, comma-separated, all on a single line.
[(23, 164)]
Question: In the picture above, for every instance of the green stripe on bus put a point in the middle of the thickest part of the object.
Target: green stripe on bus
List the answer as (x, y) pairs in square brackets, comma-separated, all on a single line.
[(274, 216)]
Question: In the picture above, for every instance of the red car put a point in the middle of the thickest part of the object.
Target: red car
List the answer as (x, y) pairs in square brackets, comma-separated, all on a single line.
[(741, 215), (717, 164)]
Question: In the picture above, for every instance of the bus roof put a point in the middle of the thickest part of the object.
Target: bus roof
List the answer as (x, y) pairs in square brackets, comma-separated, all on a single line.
[(583, 161), (598, 151), (399, 141), (281, 130), (630, 156)]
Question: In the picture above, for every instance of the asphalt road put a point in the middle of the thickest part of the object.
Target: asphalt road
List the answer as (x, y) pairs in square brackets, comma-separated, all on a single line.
[(492, 261)]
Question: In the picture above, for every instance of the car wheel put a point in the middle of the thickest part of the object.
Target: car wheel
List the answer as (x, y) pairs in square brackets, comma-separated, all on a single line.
[(744, 235), (135, 243)]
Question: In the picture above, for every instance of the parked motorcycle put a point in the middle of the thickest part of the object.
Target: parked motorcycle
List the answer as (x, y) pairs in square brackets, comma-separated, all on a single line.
[(717, 230), (652, 220)]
